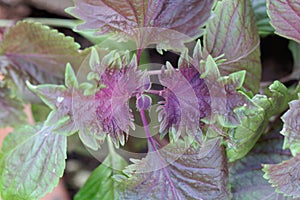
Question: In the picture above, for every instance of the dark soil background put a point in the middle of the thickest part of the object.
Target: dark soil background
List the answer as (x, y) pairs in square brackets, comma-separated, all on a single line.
[(276, 59)]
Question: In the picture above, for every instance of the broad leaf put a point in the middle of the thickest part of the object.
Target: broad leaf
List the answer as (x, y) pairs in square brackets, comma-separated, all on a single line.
[(233, 32), (101, 184), (246, 177), (285, 176), (179, 172), (37, 53), (285, 17), (262, 18), (254, 117), (32, 161), (11, 109), (144, 21)]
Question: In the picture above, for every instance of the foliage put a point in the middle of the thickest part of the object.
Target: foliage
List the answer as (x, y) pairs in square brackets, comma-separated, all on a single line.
[(212, 116)]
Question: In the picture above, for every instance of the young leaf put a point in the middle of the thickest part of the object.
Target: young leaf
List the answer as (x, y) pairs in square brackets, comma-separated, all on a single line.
[(136, 18), (101, 184), (186, 100), (254, 119), (285, 176), (37, 53), (178, 172), (291, 128), (285, 17), (11, 109), (246, 177), (32, 161), (233, 32)]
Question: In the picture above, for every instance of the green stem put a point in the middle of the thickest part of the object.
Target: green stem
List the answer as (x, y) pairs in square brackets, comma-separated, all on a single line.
[(110, 146)]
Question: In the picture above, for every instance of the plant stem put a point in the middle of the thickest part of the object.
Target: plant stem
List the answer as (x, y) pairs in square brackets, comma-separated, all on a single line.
[(147, 130), (66, 23)]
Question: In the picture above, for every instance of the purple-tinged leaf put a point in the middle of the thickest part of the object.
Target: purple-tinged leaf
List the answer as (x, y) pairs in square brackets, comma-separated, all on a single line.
[(32, 162), (186, 100), (144, 21), (291, 128), (11, 109), (179, 172), (232, 32), (246, 176), (285, 17), (285, 176), (113, 112), (37, 53)]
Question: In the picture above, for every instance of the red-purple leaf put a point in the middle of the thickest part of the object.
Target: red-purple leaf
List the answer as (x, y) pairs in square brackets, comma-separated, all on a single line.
[(186, 100), (137, 18), (233, 32), (179, 171), (285, 176), (285, 17), (37, 53), (246, 176)]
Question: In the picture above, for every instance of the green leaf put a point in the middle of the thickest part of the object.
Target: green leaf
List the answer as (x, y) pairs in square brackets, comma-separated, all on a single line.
[(246, 177), (38, 54), (291, 128), (101, 183), (232, 32), (11, 109), (254, 119), (32, 161), (179, 171), (285, 17), (262, 18)]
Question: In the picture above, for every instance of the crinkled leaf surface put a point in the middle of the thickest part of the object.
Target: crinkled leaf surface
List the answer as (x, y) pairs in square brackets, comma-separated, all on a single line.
[(101, 184), (246, 177), (177, 172), (11, 110), (186, 100), (32, 161), (136, 18), (37, 53), (285, 176), (232, 32), (285, 17), (291, 128), (262, 18), (254, 117)]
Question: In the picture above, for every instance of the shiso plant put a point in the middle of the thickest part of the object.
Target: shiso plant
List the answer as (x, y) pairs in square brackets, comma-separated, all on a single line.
[(204, 120)]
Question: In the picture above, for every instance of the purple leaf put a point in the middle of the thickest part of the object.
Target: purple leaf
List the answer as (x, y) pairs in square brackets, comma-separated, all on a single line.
[(186, 100), (11, 109), (233, 32), (246, 176), (179, 171), (285, 176), (285, 17), (144, 21), (113, 112), (37, 53)]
